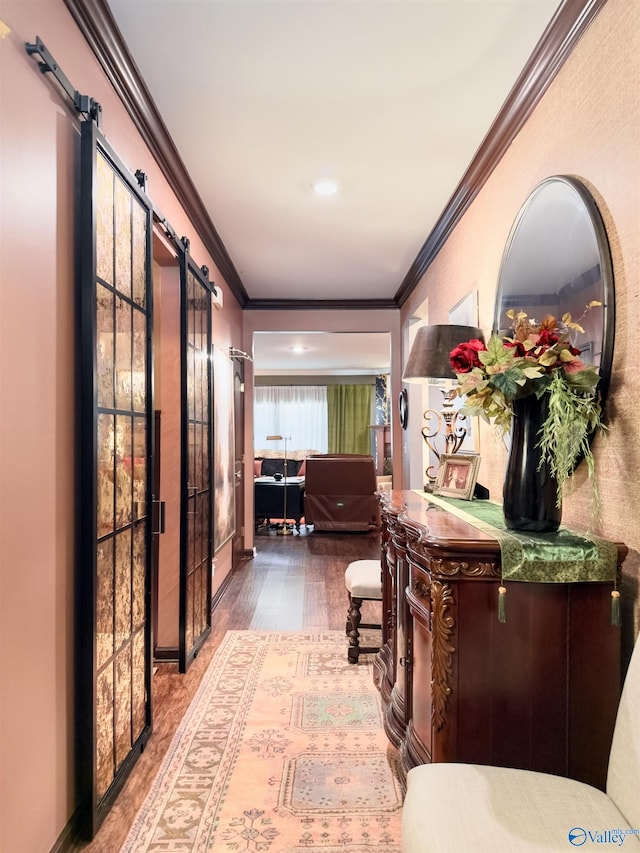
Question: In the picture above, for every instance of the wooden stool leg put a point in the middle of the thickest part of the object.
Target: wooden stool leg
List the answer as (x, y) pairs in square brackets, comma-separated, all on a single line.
[(354, 635)]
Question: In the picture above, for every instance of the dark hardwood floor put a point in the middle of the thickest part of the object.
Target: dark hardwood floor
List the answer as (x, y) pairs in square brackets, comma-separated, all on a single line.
[(293, 583)]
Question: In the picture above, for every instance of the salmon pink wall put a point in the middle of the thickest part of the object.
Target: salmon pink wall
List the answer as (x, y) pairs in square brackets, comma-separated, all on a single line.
[(587, 125), (39, 144)]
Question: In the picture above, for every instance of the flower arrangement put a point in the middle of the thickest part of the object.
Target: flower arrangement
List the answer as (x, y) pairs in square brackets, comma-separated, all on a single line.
[(535, 359)]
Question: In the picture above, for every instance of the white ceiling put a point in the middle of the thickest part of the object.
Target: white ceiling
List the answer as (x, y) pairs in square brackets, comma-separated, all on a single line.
[(392, 98), (336, 353)]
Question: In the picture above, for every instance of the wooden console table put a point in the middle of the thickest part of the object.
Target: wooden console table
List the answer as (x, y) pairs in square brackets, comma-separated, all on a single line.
[(539, 692)]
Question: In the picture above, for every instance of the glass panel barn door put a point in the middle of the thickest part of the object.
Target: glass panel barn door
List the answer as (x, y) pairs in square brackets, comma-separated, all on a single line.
[(114, 488), (196, 539)]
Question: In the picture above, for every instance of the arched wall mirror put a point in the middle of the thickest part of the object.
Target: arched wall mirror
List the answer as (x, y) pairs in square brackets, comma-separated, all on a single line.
[(557, 260)]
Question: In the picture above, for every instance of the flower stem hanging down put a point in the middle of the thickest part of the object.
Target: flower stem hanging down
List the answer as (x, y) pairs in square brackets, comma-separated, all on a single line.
[(573, 416), (536, 359)]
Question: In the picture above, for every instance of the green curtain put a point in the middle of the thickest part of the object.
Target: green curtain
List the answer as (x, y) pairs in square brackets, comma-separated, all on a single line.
[(349, 413)]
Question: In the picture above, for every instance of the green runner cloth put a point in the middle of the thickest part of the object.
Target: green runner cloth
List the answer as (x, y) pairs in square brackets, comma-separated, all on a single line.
[(563, 557)]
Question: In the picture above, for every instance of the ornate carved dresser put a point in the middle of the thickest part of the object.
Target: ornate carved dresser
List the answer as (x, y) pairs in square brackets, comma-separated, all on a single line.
[(538, 692)]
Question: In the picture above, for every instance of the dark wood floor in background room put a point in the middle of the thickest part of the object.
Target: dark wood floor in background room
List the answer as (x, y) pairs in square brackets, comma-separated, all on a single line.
[(294, 583)]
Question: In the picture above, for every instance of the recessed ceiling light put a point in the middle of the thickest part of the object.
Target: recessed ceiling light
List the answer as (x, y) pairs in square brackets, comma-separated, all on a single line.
[(325, 186)]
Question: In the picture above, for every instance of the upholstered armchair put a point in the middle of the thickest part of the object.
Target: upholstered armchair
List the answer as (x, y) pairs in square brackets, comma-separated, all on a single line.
[(340, 492)]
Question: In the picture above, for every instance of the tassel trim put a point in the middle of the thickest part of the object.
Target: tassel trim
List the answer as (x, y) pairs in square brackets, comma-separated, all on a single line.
[(615, 607), (502, 610)]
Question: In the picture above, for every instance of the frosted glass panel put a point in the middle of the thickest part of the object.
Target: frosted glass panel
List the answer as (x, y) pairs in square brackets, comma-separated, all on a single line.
[(123, 238), (123, 700), (105, 770), (104, 220), (105, 474), (104, 609), (123, 367), (139, 254), (105, 341)]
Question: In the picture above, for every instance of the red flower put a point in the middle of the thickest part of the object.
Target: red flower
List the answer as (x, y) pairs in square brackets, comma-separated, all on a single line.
[(465, 356), (518, 346), (547, 338)]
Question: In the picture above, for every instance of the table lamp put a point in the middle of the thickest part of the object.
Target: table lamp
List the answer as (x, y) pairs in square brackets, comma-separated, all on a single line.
[(429, 359)]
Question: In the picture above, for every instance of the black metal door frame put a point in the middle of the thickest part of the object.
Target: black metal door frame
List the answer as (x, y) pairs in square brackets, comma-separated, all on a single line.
[(197, 494), (114, 497)]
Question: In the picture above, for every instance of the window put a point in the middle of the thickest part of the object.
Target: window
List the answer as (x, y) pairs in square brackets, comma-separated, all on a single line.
[(297, 411)]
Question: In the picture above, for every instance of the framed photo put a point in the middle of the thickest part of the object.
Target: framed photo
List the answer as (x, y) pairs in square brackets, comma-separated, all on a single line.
[(457, 475)]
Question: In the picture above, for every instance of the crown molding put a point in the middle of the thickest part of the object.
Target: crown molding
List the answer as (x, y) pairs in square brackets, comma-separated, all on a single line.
[(319, 304), (96, 23)]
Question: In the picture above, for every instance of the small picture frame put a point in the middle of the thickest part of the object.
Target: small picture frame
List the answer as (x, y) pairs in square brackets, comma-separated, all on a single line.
[(457, 475)]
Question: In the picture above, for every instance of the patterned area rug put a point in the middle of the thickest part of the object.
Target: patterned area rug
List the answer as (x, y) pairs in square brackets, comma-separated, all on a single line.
[(282, 751)]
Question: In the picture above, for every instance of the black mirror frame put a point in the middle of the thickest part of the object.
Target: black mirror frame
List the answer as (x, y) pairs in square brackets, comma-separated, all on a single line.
[(606, 269)]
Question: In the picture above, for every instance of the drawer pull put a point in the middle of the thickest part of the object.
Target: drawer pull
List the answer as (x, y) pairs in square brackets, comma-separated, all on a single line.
[(420, 588)]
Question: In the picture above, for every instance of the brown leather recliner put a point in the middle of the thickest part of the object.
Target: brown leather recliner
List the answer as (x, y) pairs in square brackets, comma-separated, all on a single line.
[(340, 492)]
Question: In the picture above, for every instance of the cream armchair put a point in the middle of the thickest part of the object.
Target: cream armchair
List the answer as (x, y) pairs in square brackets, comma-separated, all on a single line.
[(468, 808)]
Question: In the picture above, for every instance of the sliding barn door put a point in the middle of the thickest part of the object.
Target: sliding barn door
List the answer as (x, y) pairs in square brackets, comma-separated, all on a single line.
[(197, 447), (114, 438)]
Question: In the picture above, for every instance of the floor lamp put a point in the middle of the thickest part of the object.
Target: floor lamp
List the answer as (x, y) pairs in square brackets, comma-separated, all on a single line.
[(285, 530)]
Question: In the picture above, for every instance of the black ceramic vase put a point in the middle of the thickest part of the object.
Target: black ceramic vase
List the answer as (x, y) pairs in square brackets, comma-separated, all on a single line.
[(530, 492)]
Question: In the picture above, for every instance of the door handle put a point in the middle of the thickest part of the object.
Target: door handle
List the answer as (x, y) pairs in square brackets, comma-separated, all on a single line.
[(158, 517), (192, 492)]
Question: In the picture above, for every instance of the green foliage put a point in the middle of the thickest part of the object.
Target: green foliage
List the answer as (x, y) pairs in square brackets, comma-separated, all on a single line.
[(565, 436), (509, 382), (496, 355)]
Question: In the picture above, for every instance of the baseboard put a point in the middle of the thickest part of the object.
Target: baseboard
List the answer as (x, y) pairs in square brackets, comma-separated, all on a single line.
[(166, 654), (215, 599), (69, 840), (169, 654)]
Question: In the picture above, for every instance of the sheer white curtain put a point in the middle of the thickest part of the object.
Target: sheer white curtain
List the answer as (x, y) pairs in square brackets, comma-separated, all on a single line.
[(298, 411)]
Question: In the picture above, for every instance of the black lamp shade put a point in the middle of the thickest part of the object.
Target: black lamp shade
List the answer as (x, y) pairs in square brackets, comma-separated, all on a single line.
[(429, 356)]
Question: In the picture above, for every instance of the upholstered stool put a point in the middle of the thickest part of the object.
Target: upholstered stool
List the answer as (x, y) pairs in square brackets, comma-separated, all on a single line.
[(364, 583)]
